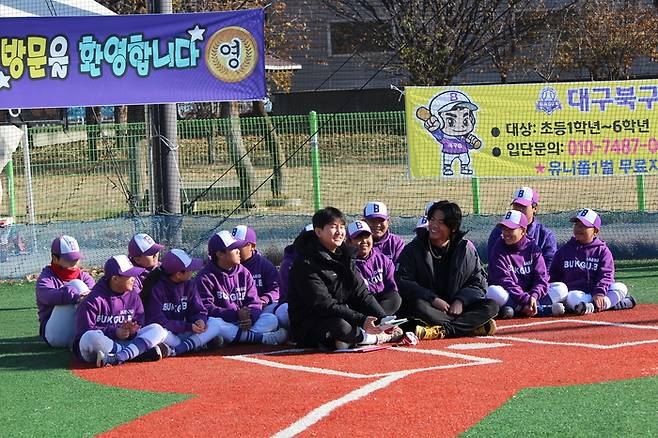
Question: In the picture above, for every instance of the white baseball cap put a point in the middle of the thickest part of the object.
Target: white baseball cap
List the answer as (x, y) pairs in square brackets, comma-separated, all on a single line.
[(143, 245), (356, 228), (588, 217), (422, 222), (375, 210), (525, 196), (449, 100), (222, 241), (514, 219)]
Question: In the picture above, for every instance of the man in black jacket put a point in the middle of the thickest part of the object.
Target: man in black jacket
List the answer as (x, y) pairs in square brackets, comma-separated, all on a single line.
[(328, 302), (441, 279)]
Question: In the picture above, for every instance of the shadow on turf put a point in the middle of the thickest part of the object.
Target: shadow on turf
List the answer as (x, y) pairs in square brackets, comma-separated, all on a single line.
[(30, 354)]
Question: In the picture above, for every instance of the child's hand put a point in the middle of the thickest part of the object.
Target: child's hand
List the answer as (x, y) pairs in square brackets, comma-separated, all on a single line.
[(599, 302), (245, 324), (531, 308), (199, 326), (123, 332)]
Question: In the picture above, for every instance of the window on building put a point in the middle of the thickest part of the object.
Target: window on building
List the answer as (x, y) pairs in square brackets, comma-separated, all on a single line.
[(346, 38)]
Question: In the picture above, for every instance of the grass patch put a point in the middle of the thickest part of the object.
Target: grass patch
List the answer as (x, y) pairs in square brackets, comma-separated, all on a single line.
[(41, 397)]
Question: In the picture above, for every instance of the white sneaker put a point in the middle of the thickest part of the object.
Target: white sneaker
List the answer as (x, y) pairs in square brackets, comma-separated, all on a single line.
[(277, 337), (100, 359), (584, 308), (557, 309), (393, 335)]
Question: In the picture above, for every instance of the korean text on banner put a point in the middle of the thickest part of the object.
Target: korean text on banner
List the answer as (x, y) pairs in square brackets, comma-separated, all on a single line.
[(131, 59), (537, 130)]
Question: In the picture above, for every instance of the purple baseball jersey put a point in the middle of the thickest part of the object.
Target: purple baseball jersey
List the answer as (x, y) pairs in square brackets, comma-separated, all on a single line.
[(378, 272), (51, 292), (519, 269), (265, 276), (106, 310), (289, 255), (451, 145), (223, 293), (175, 306), (588, 268), (139, 281), (391, 245)]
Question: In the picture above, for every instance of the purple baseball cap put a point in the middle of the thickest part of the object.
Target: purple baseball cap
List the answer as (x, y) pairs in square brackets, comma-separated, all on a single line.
[(589, 218), (66, 247), (243, 232), (356, 228), (525, 196), (514, 219), (177, 260), (121, 265), (222, 241), (143, 244), (375, 210)]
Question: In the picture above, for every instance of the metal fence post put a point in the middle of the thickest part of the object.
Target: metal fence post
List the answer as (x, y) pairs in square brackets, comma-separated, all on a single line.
[(10, 187), (315, 159)]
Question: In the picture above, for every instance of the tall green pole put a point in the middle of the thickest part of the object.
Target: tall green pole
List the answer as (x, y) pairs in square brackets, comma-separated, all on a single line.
[(315, 159), (641, 200), (10, 187), (475, 187)]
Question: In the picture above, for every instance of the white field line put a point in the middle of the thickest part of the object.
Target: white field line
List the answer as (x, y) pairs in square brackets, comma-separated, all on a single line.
[(579, 321), (575, 344), (320, 412), (269, 363)]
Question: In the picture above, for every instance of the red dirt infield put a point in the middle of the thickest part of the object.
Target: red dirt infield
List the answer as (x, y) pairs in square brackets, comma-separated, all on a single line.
[(440, 388)]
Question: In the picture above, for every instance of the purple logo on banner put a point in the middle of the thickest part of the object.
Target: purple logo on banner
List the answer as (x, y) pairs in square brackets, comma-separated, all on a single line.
[(103, 60)]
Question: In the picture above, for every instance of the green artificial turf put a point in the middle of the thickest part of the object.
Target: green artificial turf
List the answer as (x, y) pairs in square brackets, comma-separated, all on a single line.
[(40, 396), (626, 408)]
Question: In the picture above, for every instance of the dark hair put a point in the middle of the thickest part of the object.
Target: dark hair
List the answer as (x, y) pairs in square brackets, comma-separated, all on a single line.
[(327, 215), (148, 283), (452, 214)]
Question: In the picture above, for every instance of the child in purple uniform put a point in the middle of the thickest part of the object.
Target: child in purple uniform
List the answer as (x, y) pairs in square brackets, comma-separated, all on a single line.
[(526, 200), (264, 272), (376, 269), (375, 214), (174, 302), (228, 293), (518, 279), (144, 252), (60, 286), (584, 268), (110, 322)]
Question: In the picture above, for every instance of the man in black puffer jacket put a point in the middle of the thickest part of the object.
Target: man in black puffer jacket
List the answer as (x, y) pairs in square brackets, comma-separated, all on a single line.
[(328, 302)]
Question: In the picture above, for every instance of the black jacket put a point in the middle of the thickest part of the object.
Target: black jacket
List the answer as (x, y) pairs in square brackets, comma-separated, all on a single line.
[(415, 277), (322, 285)]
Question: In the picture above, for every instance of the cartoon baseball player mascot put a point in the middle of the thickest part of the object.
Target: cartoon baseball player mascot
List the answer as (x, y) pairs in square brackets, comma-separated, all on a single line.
[(450, 119)]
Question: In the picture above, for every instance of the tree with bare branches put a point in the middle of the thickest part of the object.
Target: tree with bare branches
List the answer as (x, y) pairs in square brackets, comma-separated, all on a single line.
[(436, 40)]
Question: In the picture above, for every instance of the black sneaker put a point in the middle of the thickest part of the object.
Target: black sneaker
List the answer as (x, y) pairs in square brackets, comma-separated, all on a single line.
[(151, 355), (215, 343)]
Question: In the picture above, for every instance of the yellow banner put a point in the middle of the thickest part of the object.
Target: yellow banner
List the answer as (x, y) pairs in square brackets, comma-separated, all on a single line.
[(540, 130)]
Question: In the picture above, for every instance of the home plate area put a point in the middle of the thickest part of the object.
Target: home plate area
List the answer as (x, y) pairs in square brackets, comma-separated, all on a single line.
[(454, 382)]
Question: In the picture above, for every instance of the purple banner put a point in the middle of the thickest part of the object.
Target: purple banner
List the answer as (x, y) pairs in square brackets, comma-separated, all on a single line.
[(131, 59)]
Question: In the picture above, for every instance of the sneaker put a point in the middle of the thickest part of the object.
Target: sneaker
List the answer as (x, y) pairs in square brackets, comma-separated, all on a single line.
[(429, 333), (165, 350), (215, 343), (275, 338), (105, 360), (627, 303), (506, 312), (151, 355), (555, 309), (584, 308), (395, 334), (486, 329)]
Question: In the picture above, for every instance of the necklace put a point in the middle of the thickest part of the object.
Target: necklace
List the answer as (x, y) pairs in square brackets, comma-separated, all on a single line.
[(436, 256)]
